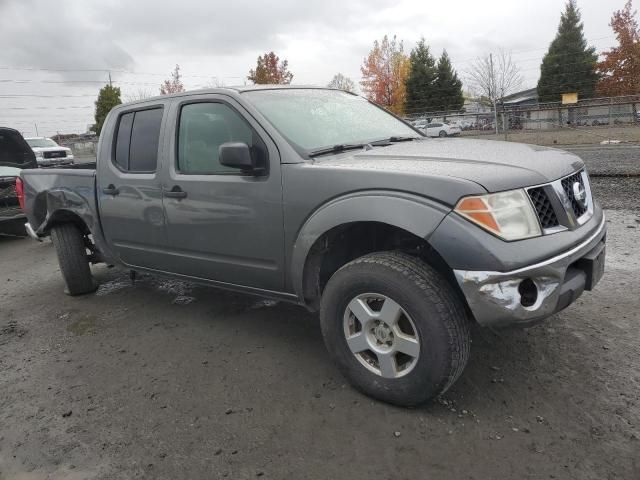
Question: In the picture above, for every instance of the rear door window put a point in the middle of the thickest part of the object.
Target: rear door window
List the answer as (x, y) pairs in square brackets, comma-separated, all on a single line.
[(137, 141)]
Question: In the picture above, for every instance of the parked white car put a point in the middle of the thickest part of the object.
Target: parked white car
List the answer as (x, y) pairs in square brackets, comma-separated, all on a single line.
[(420, 124), (462, 124), (49, 153), (437, 129)]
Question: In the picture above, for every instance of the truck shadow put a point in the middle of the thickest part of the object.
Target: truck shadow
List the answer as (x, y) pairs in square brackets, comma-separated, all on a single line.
[(509, 370)]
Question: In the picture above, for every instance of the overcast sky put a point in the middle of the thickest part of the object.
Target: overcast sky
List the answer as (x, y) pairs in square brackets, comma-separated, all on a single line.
[(140, 41)]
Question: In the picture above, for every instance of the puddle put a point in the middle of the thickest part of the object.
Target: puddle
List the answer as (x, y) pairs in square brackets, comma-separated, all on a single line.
[(177, 287), (11, 330), (180, 289), (182, 300), (112, 286), (83, 326), (266, 303)]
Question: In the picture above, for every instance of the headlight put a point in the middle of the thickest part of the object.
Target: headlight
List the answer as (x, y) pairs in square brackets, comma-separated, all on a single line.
[(508, 215), (39, 155)]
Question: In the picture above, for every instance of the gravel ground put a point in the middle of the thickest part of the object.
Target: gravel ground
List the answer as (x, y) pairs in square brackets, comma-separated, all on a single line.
[(166, 380), (610, 160), (566, 136), (617, 193)]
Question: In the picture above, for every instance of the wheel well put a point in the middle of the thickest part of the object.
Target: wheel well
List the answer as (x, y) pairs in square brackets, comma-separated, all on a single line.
[(347, 242), (66, 216)]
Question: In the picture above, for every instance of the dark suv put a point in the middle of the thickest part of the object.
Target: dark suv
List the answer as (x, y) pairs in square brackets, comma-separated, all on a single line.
[(15, 154)]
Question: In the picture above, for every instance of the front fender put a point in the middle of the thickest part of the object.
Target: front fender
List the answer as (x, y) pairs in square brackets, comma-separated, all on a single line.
[(412, 213)]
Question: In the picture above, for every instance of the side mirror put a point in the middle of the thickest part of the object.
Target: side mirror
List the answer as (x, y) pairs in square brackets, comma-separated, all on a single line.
[(236, 155)]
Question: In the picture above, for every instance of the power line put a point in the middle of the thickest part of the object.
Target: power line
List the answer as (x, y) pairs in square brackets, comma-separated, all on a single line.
[(35, 95), (110, 70)]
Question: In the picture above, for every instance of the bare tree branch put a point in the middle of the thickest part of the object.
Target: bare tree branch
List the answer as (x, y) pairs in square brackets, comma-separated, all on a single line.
[(495, 80), (139, 94)]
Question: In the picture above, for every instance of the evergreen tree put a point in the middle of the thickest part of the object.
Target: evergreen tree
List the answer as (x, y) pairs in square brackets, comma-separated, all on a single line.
[(447, 87), (108, 98), (570, 64), (421, 80)]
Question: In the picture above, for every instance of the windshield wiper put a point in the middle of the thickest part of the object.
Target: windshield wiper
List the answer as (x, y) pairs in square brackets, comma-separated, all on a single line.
[(341, 147), (393, 140)]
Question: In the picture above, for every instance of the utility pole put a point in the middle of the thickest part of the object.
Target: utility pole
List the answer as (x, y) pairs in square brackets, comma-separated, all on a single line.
[(36, 125), (110, 78), (494, 87), (505, 123)]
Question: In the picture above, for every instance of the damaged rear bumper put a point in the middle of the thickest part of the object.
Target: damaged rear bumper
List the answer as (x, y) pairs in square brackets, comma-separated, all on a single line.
[(534, 292)]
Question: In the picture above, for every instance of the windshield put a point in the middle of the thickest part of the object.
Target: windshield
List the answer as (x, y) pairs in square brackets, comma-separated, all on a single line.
[(312, 119), (41, 142)]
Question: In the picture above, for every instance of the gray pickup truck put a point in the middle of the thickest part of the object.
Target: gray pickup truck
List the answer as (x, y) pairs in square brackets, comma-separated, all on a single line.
[(319, 197)]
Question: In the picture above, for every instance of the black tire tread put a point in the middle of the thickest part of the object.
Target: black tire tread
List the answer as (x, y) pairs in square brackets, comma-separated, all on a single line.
[(430, 281), (441, 295), (72, 258)]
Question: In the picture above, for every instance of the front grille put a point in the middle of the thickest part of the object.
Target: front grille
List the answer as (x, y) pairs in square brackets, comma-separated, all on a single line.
[(544, 209), (55, 154), (567, 186)]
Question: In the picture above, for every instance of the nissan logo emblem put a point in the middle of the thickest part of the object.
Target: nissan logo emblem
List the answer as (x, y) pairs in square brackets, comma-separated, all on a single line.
[(580, 194)]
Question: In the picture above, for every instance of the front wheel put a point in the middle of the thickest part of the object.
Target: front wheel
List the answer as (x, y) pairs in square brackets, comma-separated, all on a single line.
[(395, 328), (442, 134)]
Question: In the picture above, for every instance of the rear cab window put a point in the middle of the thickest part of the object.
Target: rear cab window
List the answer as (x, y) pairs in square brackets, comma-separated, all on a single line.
[(137, 140)]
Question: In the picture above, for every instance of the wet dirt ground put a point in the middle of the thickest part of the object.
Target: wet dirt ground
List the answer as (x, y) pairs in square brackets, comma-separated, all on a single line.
[(166, 380)]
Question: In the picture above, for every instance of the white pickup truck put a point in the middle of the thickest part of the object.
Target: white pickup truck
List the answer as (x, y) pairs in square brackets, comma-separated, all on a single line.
[(49, 153)]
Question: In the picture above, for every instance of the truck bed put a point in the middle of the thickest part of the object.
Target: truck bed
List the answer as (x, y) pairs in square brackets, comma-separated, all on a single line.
[(54, 193)]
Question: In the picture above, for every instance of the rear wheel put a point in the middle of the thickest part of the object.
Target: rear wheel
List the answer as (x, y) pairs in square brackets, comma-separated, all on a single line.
[(395, 328), (442, 133), (73, 259)]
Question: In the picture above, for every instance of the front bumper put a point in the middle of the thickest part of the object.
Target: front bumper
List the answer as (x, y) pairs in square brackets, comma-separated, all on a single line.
[(497, 298), (55, 162)]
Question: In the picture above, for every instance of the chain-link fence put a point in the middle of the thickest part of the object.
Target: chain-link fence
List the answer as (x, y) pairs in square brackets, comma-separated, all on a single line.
[(596, 120)]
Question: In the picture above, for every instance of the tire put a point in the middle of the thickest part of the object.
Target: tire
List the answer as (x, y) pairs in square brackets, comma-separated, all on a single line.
[(442, 134), (432, 309), (72, 258)]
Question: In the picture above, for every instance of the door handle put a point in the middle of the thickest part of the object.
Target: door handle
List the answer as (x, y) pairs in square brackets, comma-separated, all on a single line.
[(175, 192), (111, 190)]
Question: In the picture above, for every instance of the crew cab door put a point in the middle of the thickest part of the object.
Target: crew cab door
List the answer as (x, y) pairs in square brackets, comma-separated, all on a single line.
[(222, 224), (128, 186)]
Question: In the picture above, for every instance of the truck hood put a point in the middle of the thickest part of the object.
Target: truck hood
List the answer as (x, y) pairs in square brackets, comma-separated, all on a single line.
[(495, 165), (9, 172)]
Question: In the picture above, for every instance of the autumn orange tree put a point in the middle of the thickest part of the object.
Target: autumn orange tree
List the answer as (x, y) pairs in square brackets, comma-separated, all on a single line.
[(384, 74), (269, 70), (620, 68)]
